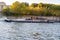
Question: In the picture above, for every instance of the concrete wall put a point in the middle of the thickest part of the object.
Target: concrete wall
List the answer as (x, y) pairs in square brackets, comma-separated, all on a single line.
[(45, 17)]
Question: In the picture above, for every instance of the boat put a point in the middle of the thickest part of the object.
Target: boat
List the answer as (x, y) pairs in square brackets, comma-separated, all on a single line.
[(28, 21)]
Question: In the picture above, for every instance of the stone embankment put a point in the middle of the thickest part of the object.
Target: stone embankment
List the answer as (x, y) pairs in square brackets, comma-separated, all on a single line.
[(34, 17)]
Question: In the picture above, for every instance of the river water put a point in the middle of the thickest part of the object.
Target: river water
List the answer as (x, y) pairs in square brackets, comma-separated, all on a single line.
[(29, 31)]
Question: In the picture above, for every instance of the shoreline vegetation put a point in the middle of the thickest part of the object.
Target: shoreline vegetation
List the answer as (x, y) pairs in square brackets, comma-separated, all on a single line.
[(35, 9)]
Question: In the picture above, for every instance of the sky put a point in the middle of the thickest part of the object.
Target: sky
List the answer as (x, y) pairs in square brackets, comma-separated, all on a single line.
[(9, 2)]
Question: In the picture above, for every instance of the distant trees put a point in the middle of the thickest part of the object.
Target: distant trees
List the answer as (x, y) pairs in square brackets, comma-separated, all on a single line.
[(40, 5), (34, 5), (55, 7), (6, 11), (40, 9)]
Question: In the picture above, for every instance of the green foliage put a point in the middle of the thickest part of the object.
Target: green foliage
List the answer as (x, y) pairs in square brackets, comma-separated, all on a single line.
[(40, 5), (6, 11), (41, 9), (34, 5), (55, 7)]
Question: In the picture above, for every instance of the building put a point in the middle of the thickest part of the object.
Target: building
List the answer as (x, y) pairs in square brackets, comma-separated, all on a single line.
[(2, 5)]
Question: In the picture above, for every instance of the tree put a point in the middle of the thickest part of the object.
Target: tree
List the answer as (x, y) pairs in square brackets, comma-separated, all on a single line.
[(41, 9), (6, 11), (25, 4), (55, 7), (40, 5), (18, 8), (34, 5), (15, 7)]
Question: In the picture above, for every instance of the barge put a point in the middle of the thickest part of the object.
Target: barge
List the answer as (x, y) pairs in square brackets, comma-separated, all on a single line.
[(28, 21)]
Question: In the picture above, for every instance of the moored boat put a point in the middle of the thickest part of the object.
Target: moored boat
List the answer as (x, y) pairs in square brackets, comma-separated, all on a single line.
[(28, 21)]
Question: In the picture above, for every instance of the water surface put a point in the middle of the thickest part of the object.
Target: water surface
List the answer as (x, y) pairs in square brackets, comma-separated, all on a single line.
[(29, 31)]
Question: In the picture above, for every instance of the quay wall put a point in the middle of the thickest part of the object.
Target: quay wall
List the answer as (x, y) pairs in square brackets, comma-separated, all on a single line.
[(34, 17)]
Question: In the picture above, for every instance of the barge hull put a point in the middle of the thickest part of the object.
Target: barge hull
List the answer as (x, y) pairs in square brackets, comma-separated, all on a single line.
[(28, 21)]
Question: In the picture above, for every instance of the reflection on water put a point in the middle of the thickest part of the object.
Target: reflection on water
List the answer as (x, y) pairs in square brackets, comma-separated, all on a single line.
[(29, 31)]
